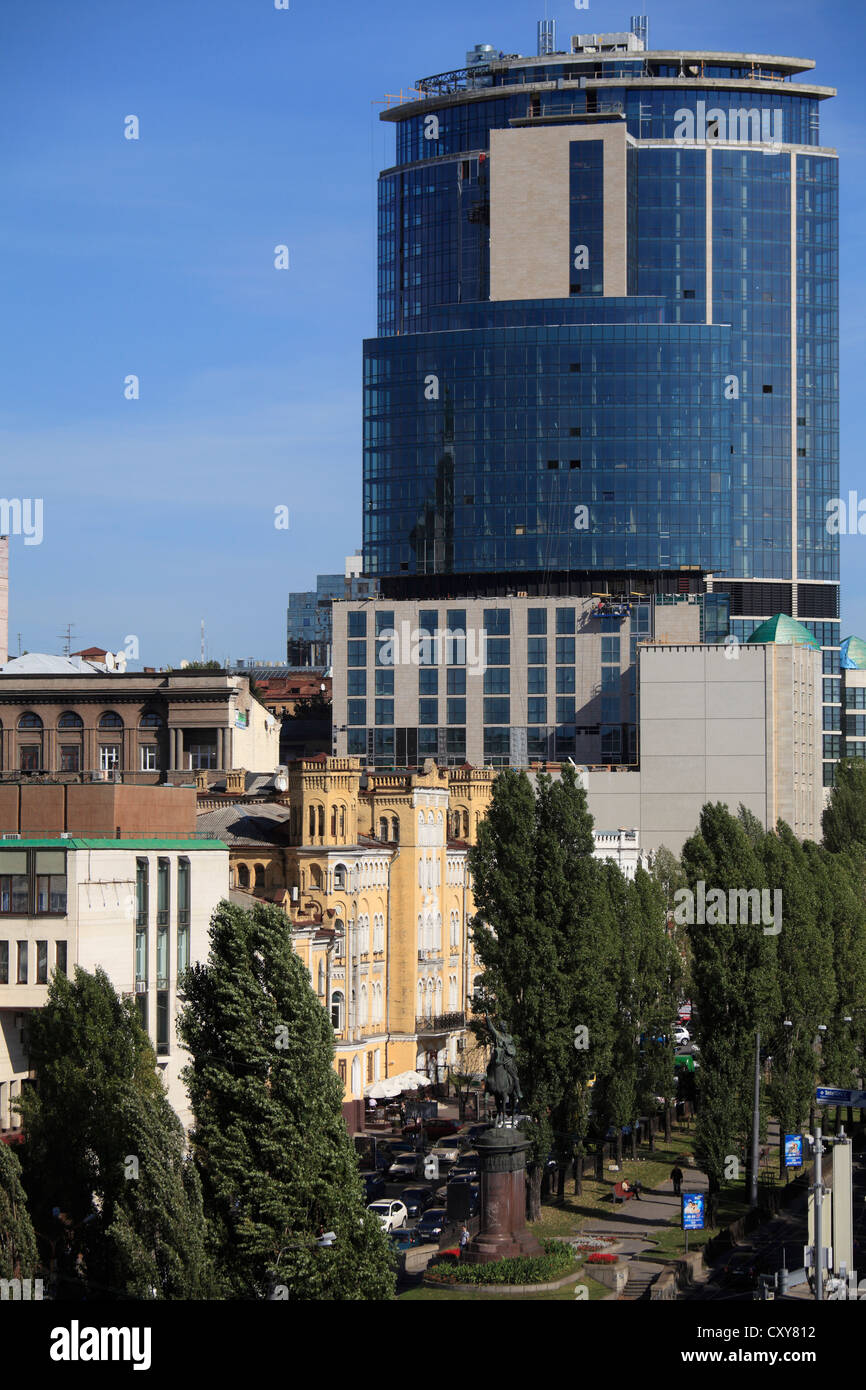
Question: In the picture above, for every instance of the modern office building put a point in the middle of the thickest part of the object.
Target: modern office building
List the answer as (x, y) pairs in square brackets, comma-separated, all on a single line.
[(608, 336), (308, 618)]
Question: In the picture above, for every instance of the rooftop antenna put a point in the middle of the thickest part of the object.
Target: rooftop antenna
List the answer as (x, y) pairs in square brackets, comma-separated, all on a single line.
[(66, 639), (640, 28), (546, 36)]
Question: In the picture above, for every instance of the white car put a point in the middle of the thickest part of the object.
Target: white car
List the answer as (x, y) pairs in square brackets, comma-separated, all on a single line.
[(391, 1214), (681, 1035)]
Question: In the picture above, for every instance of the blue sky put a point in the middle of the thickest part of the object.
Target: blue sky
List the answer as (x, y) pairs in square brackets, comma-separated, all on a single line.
[(155, 257)]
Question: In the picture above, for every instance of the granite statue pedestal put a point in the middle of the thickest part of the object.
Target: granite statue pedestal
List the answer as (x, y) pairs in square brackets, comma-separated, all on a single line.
[(503, 1233)]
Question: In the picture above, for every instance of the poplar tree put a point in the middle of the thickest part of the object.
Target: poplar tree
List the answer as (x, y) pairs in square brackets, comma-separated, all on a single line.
[(733, 968), (844, 818), (18, 1256), (544, 936), (278, 1167), (104, 1161)]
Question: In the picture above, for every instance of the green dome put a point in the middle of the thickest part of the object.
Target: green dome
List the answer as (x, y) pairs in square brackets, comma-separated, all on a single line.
[(853, 655), (786, 632)]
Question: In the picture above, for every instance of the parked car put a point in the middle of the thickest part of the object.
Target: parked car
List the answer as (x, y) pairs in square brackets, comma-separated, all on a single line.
[(448, 1150), (391, 1214), (403, 1165), (374, 1185), (432, 1223), (404, 1238), (468, 1165), (438, 1129), (417, 1199), (681, 1035), (740, 1269)]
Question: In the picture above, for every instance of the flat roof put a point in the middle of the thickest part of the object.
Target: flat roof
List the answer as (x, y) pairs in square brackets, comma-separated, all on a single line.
[(73, 842)]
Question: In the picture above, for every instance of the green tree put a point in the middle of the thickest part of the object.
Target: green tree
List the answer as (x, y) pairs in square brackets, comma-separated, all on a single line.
[(543, 933), (106, 1149), (806, 978), (844, 819), (733, 968), (277, 1165), (18, 1258)]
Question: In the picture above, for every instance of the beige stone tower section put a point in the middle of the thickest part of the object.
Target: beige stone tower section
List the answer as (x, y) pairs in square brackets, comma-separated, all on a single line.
[(4, 600), (530, 236)]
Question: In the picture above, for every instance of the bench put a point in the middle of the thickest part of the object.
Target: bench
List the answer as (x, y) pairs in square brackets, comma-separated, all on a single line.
[(621, 1192)]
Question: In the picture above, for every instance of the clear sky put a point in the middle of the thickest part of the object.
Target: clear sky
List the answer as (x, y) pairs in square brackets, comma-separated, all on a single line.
[(155, 257)]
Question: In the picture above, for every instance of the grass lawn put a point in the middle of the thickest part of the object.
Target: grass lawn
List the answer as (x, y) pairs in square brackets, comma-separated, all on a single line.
[(567, 1217)]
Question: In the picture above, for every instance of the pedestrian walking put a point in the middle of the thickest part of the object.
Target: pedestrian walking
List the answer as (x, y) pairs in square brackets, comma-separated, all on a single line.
[(677, 1179)]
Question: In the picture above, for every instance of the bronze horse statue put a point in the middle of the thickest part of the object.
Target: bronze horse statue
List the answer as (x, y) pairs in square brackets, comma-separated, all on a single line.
[(502, 1079)]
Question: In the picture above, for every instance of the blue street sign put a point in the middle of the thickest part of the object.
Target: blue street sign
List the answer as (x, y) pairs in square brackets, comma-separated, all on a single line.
[(836, 1095), (694, 1204)]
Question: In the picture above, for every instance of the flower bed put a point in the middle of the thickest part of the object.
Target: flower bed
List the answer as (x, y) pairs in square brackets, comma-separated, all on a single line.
[(557, 1260), (601, 1259)]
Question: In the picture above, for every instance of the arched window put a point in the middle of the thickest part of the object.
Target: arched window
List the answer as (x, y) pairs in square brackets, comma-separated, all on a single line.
[(243, 876), (420, 817), (70, 720), (260, 875), (439, 818), (30, 721), (383, 828), (465, 825), (333, 822), (343, 824), (337, 1002), (395, 830), (340, 876), (321, 810), (420, 933), (429, 817), (151, 721), (429, 999), (315, 876), (438, 942), (363, 1019), (420, 998), (110, 720), (356, 1076)]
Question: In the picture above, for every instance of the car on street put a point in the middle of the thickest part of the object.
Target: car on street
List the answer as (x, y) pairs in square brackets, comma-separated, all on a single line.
[(374, 1185), (404, 1238), (449, 1149), (391, 1214), (740, 1269), (403, 1165), (417, 1199), (432, 1223), (681, 1035), (438, 1129), (467, 1164)]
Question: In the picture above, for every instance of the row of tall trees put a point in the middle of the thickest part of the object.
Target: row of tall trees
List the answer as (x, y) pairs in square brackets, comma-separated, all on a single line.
[(569, 944), (121, 1206), (578, 961)]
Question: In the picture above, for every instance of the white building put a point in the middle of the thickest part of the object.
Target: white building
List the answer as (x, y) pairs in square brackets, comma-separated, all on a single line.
[(138, 908)]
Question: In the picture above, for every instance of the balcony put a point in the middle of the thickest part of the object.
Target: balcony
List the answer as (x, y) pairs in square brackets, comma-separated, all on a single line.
[(440, 1023)]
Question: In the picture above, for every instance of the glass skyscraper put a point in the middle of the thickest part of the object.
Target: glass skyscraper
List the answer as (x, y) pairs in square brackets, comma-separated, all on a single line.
[(608, 335)]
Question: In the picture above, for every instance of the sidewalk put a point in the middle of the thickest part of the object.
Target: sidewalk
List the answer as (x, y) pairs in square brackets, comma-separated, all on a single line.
[(656, 1207)]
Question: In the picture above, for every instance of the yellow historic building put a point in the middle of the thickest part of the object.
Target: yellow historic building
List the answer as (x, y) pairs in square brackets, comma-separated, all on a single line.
[(371, 869)]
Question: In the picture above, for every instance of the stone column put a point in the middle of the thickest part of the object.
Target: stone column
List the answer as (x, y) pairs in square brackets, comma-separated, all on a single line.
[(220, 755), (503, 1232)]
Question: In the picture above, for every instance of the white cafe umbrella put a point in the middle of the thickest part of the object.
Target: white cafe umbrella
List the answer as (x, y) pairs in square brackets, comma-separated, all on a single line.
[(411, 1080), (382, 1090)]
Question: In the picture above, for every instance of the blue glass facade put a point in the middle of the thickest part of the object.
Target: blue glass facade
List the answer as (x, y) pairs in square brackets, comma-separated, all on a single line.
[(687, 421), (673, 415)]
